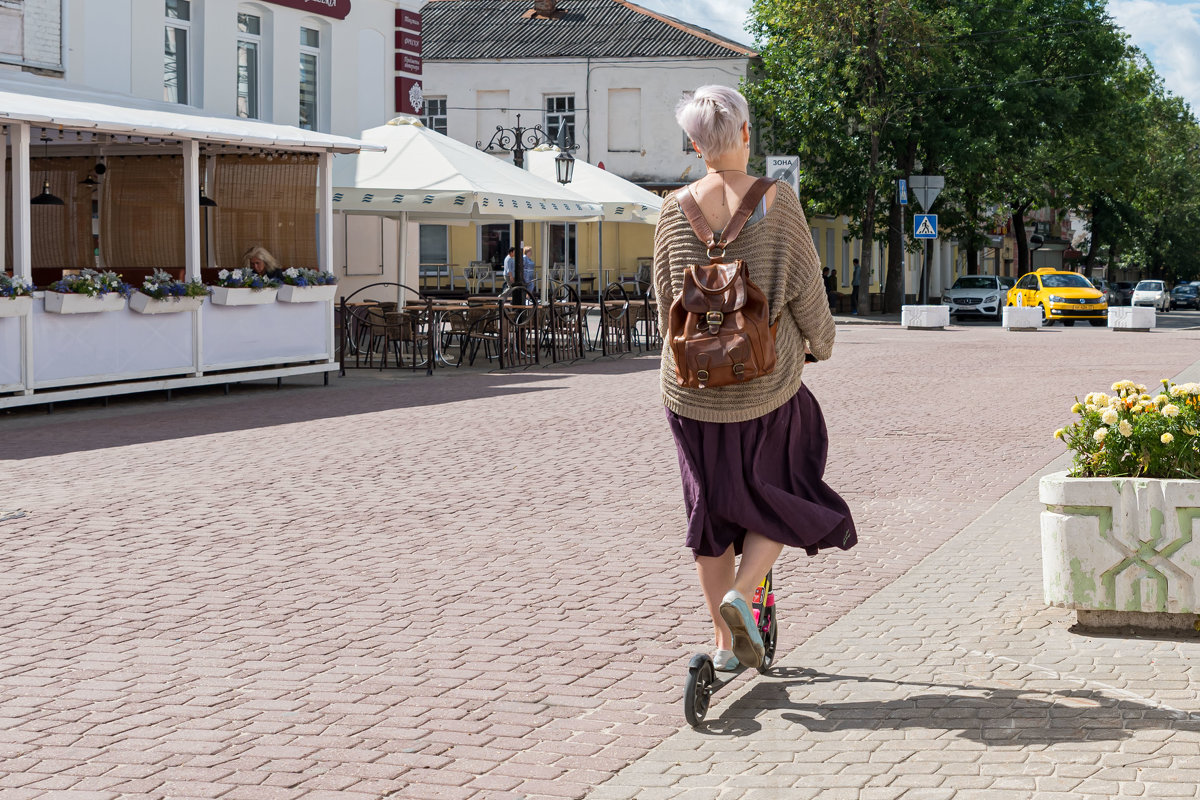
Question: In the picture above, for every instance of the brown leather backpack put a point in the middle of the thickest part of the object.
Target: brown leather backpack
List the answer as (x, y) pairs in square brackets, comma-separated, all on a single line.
[(719, 328)]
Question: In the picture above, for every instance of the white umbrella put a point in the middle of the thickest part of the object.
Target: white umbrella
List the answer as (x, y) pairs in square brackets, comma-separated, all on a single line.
[(621, 200), (428, 174)]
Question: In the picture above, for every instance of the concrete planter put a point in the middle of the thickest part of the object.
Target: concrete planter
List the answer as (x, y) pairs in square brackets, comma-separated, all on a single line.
[(1022, 318), (1122, 546), (145, 304), (1131, 318), (306, 294), (925, 317), (15, 306), (70, 303), (227, 296)]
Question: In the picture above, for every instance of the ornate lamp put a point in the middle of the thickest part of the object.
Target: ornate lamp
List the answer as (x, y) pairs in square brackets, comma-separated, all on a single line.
[(46, 198)]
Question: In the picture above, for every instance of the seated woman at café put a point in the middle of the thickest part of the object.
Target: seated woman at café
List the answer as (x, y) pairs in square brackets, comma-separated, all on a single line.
[(261, 261)]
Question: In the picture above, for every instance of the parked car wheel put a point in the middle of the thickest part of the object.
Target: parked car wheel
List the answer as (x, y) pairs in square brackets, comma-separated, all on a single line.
[(1098, 323), (1068, 323), (1047, 321)]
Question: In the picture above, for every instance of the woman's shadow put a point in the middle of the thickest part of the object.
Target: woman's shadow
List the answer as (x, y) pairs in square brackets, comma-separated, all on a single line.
[(993, 716)]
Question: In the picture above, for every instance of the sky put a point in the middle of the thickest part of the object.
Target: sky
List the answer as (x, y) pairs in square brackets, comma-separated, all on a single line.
[(1168, 31)]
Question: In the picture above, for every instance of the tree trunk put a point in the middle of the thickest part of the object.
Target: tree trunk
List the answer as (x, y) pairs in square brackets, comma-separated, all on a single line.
[(868, 236), (1089, 261), (1018, 221), (894, 292), (972, 261)]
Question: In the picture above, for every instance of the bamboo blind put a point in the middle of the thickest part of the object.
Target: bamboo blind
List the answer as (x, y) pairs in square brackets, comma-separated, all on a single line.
[(61, 236), (141, 212), (265, 201)]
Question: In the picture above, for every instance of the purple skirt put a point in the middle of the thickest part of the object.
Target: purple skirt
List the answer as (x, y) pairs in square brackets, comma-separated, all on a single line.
[(765, 475)]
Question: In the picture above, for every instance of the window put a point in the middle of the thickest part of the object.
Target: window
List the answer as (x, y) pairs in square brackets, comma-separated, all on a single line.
[(248, 45), (687, 142), (310, 61), (563, 244), (830, 252), (176, 55), (560, 110), (435, 244), (624, 120), (435, 114)]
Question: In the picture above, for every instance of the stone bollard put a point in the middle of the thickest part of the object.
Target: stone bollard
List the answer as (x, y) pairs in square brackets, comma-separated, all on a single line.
[(924, 317), (1131, 318), (1022, 318)]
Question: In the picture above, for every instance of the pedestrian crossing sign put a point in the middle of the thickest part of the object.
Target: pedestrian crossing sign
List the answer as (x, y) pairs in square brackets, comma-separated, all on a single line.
[(925, 226)]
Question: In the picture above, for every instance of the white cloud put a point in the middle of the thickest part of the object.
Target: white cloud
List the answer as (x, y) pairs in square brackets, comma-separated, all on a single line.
[(1169, 33), (726, 17)]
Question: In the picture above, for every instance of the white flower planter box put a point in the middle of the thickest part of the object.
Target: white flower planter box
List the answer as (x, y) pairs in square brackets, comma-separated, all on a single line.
[(925, 317), (1131, 318), (1022, 318), (68, 303), (226, 296), (15, 306), (145, 304), (306, 294), (1123, 546)]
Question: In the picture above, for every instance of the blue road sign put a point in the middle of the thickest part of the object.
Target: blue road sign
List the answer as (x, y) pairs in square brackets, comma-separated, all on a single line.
[(925, 226), (903, 187)]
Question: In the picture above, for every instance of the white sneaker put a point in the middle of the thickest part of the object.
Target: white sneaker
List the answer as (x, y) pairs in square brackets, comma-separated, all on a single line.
[(725, 661)]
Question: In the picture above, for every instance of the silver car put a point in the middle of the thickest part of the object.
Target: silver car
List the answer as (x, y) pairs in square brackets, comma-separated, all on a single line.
[(978, 296), (1152, 293)]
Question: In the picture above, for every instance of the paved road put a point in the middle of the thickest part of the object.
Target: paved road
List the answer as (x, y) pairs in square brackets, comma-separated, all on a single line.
[(470, 586)]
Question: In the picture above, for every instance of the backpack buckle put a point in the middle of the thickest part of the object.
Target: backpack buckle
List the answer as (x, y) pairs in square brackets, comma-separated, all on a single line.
[(714, 320), (702, 375), (739, 370)]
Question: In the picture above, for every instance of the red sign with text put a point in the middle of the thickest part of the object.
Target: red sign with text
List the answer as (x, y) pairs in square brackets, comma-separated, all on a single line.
[(338, 9), (408, 42), (409, 97), (409, 64), (408, 20)]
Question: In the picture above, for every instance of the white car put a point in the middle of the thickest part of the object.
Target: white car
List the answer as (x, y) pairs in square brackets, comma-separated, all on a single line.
[(1152, 293), (977, 296)]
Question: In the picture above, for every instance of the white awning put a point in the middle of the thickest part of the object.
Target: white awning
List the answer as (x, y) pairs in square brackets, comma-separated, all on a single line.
[(62, 107)]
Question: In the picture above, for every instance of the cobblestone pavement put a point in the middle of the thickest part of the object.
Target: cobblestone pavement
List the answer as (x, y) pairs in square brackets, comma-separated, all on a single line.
[(473, 587)]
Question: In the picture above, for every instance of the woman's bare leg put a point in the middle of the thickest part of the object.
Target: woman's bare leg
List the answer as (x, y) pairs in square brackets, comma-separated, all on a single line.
[(758, 556), (716, 577)]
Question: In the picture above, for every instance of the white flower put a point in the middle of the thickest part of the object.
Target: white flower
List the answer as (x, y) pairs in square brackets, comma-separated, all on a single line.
[(1100, 434), (291, 272), (1170, 410), (223, 274), (1166, 438), (1109, 417), (1125, 428)]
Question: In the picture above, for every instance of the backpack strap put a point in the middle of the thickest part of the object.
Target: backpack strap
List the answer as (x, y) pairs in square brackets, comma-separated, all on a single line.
[(695, 217)]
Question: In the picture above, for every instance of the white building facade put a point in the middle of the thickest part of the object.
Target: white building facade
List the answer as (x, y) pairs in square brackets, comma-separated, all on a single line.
[(324, 65)]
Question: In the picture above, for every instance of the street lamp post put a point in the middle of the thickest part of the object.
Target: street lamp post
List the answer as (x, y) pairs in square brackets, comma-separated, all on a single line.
[(517, 140)]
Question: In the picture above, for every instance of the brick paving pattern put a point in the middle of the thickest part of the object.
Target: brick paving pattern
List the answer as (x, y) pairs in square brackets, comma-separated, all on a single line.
[(464, 587)]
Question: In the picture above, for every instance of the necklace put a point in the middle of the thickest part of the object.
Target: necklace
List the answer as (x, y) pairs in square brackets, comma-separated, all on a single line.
[(722, 172)]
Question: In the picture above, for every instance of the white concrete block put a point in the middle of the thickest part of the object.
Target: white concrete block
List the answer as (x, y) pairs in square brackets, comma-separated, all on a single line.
[(925, 316), (1131, 318), (1022, 318)]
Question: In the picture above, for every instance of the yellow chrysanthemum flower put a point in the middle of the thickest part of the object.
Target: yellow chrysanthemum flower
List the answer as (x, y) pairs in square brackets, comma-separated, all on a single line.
[(1077, 408), (1060, 433), (1125, 428), (1170, 410), (1109, 417), (1166, 438), (1100, 434)]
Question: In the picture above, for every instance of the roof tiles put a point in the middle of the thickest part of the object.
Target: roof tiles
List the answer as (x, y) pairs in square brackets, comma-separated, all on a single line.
[(473, 29)]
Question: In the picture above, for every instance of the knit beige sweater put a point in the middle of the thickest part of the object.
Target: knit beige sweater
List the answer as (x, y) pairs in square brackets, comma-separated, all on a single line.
[(779, 252)]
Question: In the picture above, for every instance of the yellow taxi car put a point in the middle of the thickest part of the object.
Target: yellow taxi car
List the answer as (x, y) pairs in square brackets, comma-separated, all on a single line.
[(1061, 295)]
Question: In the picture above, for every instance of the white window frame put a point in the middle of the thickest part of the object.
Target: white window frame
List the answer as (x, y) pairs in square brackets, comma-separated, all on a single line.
[(431, 120), (548, 115), (570, 241), (255, 90), (315, 52), (183, 87)]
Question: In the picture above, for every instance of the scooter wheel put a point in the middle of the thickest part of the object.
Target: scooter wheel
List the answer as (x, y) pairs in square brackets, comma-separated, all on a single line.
[(698, 689), (769, 636)]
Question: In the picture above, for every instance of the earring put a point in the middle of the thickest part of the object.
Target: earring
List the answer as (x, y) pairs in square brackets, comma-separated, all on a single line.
[(700, 155)]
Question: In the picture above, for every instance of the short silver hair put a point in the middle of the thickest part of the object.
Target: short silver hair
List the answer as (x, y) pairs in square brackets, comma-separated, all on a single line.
[(713, 118)]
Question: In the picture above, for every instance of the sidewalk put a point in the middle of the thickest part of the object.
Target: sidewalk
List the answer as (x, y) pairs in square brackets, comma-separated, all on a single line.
[(955, 681)]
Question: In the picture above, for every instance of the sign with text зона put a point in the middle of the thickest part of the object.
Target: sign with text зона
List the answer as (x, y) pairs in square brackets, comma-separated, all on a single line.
[(338, 9)]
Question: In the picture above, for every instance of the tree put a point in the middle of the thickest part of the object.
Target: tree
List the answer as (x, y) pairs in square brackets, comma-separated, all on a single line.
[(833, 87)]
